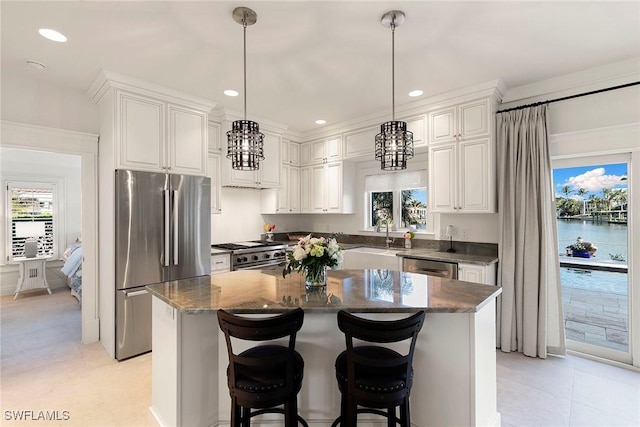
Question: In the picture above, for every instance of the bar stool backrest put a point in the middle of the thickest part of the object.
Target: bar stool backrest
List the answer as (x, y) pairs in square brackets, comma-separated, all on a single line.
[(261, 329), (377, 331)]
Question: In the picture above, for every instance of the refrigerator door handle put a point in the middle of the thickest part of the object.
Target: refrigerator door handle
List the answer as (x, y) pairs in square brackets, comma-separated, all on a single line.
[(136, 293), (167, 226), (176, 222)]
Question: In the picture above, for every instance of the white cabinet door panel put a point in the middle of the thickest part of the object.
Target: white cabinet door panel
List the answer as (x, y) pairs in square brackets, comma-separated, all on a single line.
[(187, 141), (141, 133), (474, 175), (442, 177), (361, 143), (333, 149), (294, 190), (474, 119), (333, 191), (305, 190), (318, 186), (416, 126), (213, 172), (271, 166), (443, 125)]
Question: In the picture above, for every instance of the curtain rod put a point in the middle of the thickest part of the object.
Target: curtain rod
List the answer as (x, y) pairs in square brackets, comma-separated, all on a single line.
[(535, 104)]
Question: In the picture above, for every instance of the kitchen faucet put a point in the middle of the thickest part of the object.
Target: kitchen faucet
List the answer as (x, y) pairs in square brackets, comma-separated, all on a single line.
[(387, 240)]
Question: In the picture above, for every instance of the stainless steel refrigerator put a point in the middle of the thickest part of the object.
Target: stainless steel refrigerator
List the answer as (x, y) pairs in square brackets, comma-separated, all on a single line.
[(163, 232)]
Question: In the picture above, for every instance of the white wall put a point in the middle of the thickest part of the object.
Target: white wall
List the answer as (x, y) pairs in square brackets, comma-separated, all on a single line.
[(34, 101), (18, 164), (240, 219)]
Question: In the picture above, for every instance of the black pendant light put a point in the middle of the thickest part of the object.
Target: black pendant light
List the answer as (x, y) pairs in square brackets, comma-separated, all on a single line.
[(244, 140), (394, 143)]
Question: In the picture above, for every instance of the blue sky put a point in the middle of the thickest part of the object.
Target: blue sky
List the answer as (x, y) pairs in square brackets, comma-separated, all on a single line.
[(592, 178)]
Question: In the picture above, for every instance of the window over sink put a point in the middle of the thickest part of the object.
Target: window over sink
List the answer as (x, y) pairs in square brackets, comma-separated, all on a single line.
[(397, 198)]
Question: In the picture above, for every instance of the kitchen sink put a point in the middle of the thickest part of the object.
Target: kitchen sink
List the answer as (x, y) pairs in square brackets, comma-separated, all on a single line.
[(368, 257), (377, 251)]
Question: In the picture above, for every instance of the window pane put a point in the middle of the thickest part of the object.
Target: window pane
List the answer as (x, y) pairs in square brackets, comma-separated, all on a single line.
[(31, 216), (414, 208), (381, 207)]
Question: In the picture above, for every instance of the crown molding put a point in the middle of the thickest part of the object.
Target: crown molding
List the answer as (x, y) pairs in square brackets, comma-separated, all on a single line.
[(22, 135), (108, 79), (610, 75)]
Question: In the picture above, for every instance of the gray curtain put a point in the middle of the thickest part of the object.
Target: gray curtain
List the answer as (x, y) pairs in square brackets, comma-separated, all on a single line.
[(530, 318)]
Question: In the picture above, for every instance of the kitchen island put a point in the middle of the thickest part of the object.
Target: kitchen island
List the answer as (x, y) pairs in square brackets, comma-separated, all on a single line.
[(454, 362)]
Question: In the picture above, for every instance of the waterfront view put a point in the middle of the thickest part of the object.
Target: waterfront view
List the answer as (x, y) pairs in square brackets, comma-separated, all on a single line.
[(592, 206)]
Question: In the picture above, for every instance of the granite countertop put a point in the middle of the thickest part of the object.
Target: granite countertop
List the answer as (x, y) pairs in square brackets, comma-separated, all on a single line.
[(358, 291), (216, 251)]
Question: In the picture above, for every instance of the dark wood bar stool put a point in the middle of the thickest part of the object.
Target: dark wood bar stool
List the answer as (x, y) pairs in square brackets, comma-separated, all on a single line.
[(375, 377), (265, 376)]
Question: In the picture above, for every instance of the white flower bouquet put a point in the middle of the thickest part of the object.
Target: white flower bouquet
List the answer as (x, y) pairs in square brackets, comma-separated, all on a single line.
[(312, 256)]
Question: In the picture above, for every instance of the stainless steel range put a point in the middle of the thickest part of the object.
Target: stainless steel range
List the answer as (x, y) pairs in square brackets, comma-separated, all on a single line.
[(255, 254)]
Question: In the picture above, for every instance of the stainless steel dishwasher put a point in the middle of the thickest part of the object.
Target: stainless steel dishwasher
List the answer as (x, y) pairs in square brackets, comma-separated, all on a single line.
[(447, 270)]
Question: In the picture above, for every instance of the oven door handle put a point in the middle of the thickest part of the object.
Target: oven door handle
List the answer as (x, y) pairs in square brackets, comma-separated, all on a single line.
[(261, 266)]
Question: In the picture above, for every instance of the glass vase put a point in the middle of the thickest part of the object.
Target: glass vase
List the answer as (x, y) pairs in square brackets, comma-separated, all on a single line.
[(407, 243), (315, 277)]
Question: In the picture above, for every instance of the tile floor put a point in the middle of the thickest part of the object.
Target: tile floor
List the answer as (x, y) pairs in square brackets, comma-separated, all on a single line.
[(45, 369)]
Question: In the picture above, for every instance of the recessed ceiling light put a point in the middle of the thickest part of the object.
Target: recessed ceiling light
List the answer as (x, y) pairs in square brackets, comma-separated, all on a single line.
[(416, 92), (52, 35), (34, 65), (231, 92), (320, 122)]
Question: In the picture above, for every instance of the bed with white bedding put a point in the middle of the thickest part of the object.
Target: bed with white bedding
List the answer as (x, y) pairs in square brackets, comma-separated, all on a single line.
[(72, 268)]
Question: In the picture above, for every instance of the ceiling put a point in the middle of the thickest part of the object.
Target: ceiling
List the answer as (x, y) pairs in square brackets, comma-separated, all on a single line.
[(308, 60)]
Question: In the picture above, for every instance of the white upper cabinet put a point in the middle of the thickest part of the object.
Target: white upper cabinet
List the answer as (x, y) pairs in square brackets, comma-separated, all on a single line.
[(290, 153), (459, 122), (416, 126), (160, 137), (150, 128), (321, 151), (462, 158), (328, 189), (287, 197), (269, 172), (361, 143), (305, 188), (140, 126), (214, 138), (213, 172), (187, 141), (461, 177)]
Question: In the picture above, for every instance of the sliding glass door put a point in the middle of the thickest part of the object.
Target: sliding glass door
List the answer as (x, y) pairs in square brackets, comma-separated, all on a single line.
[(592, 207)]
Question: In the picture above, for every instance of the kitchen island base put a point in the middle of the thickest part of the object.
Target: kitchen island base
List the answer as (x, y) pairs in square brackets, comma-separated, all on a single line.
[(454, 364)]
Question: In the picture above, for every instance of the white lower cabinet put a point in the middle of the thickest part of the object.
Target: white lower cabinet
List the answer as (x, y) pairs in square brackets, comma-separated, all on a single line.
[(477, 273), (220, 263)]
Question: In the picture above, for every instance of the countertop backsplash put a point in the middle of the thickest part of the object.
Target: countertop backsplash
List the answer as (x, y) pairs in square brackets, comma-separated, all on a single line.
[(466, 248)]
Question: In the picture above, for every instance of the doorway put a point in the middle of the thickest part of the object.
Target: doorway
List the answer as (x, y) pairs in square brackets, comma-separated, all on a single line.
[(592, 211), (37, 138)]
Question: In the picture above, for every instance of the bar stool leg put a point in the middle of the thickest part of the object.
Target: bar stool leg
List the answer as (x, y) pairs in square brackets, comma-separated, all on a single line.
[(235, 414), (391, 417), (405, 414)]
